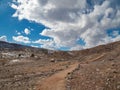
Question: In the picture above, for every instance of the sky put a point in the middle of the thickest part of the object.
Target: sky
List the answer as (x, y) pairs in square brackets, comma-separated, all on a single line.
[(60, 24)]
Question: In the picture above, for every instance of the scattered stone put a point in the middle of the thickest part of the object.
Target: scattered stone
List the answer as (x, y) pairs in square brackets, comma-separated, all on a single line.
[(118, 87), (52, 60), (115, 72)]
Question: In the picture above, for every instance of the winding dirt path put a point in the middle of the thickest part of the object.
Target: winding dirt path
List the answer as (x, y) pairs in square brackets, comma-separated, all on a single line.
[(95, 59), (56, 81)]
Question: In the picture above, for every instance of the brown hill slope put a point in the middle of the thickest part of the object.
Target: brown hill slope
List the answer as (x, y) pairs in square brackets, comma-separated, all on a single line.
[(26, 68), (100, 69)]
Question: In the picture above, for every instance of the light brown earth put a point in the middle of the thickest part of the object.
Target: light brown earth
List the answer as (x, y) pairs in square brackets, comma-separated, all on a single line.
[(29, 68), (56, 81)]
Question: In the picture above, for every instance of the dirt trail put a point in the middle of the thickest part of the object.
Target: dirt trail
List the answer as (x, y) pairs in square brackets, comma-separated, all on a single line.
[(56, 81), (95, 59)]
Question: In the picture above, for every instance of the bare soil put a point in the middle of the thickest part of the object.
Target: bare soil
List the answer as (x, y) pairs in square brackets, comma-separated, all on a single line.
[(26, 68), (56, 81)]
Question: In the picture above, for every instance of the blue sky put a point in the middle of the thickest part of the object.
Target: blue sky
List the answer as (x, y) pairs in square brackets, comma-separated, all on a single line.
[(9, 25), (52, 24)]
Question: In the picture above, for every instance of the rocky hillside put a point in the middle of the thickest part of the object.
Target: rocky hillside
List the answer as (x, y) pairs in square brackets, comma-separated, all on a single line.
[(28, 68), (99, 69)]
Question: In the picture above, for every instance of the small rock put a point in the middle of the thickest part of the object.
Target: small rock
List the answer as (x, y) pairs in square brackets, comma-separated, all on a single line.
[(97, 70), (118, 87), (115, 72), (108, 79)]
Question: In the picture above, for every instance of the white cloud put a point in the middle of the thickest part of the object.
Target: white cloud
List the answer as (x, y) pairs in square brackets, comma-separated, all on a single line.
[(71, 20), (27, 31), (18, 33), (46, 43), (115, 33), (3, 38), (14, 6), (34, 46), (21, 38)]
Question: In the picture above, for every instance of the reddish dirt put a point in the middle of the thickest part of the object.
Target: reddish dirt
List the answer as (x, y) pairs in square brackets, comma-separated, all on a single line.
[(101, 73), (56, 81)]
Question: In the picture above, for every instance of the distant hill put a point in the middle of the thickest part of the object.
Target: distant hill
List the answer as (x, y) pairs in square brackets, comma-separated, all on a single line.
[(17, 47)]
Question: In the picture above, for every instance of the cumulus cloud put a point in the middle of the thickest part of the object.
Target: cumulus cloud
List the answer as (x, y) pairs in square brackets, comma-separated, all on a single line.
[(21, 39), (34, 46), (115, 33), (72, 20), (27, 31), (50, 44), (3, 38), (18, 33)]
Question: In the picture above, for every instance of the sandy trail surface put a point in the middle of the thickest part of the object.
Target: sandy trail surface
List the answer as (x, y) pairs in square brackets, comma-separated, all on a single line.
[(56, 81)]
